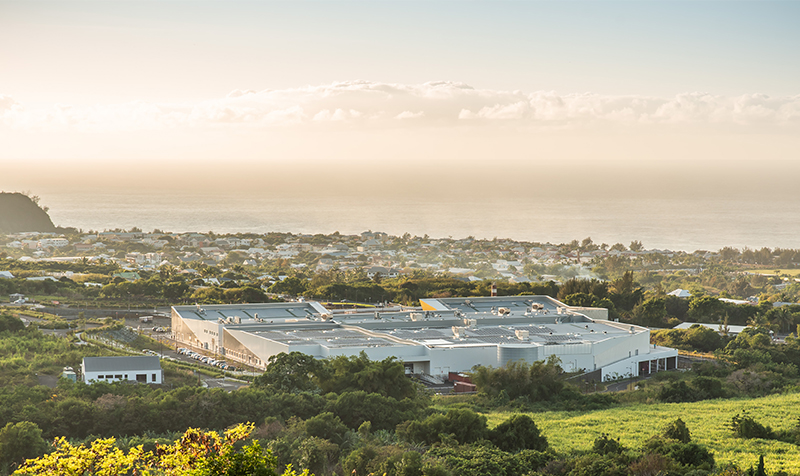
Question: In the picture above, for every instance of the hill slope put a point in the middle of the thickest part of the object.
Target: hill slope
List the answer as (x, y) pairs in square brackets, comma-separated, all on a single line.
[(19, 213)]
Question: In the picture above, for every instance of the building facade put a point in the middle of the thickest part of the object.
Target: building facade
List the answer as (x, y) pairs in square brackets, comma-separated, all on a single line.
[(444, 335), (141, 369)]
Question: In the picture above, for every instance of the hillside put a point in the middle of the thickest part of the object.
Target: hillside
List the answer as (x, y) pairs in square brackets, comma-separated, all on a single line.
[(708, 421), (18, 212)]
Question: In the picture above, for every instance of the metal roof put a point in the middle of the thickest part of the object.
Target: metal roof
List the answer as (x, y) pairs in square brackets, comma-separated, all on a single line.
[(121, 364)]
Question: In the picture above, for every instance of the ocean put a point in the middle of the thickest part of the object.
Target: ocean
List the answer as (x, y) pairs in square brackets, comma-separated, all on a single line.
[(660, 223)]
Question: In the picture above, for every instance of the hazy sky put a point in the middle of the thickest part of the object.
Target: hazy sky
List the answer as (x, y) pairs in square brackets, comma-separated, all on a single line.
[(430, 91)]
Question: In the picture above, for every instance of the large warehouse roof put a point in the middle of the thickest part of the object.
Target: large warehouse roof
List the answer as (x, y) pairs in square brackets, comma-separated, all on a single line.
[(445, 333)]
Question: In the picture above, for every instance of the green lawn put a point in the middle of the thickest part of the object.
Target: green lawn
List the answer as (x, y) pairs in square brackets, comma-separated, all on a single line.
[(708, 422)]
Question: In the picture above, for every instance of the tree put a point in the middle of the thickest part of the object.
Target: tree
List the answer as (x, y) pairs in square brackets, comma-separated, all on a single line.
[(538, 381), (326, 426), (760, 468), (291, 285), (781, 318), (705, 309), (580, 300), (626, 292), (290, 373), (636, 246), (10, 323), (19, 442), (349, 374), (651, 313)]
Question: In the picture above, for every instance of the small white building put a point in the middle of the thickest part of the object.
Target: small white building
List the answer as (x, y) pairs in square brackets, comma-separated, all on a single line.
[(141, 369)]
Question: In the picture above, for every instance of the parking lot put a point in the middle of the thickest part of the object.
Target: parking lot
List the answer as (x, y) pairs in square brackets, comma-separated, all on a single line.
[(221, 364)]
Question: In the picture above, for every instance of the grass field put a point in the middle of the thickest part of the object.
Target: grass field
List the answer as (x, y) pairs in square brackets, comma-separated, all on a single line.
[(787, 272), (708, 422)]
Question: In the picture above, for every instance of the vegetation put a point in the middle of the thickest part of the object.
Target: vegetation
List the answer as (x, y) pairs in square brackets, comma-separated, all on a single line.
[(345, 414), (21, 212), (709, 422), (196, 452)]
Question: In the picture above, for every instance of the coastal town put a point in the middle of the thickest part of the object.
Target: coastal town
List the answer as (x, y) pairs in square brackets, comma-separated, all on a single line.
[(206, 258)]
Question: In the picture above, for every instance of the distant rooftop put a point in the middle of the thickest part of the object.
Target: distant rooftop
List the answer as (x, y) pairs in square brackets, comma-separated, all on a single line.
[(253, 313)]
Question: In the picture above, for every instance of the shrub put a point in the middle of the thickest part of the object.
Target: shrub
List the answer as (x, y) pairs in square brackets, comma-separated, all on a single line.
[(598, 465), (678, 392), (465, 425), (518, 433), (745, 426), (606, 445), (687, 454), (677, 430)]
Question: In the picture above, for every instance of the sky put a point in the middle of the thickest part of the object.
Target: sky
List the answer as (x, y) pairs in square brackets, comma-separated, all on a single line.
[(633, 97)]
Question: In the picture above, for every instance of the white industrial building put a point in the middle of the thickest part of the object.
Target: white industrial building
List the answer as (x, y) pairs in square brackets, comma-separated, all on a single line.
[(445, 335), (141, 369)]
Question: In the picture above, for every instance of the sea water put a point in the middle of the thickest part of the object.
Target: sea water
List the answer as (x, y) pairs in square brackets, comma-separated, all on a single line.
[(661, 223)]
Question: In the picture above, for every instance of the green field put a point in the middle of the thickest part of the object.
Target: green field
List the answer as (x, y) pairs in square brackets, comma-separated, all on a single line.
[(786, 272), (708, 422)]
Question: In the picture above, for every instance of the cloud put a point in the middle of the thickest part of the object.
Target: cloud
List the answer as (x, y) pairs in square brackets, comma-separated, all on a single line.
[(442, 103), (6, 102), (410, 115)]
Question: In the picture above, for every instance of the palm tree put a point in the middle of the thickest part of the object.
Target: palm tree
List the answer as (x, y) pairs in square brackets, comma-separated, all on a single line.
[(781, 317)]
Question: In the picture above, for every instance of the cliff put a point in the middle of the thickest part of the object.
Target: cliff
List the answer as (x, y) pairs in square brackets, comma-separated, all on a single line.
[(18, 212)]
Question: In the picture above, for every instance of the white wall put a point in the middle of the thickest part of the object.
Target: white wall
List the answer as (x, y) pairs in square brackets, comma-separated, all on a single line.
[(129, 375)]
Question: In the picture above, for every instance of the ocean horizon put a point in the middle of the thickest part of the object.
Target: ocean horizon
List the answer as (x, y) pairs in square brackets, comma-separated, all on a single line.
[(659, 223)]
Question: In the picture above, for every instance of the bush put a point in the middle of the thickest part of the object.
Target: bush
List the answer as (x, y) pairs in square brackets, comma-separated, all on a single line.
[(606, 445), (18, 442), (598, 465), (384, 413), (678, 392), (686, 454), (518, 433), (677, 430), (465, 425), (745, 426), (487, 461)]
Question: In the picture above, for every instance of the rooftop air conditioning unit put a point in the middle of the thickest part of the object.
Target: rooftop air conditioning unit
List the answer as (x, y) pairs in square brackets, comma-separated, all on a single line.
[(504, 311), (522, 334)]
